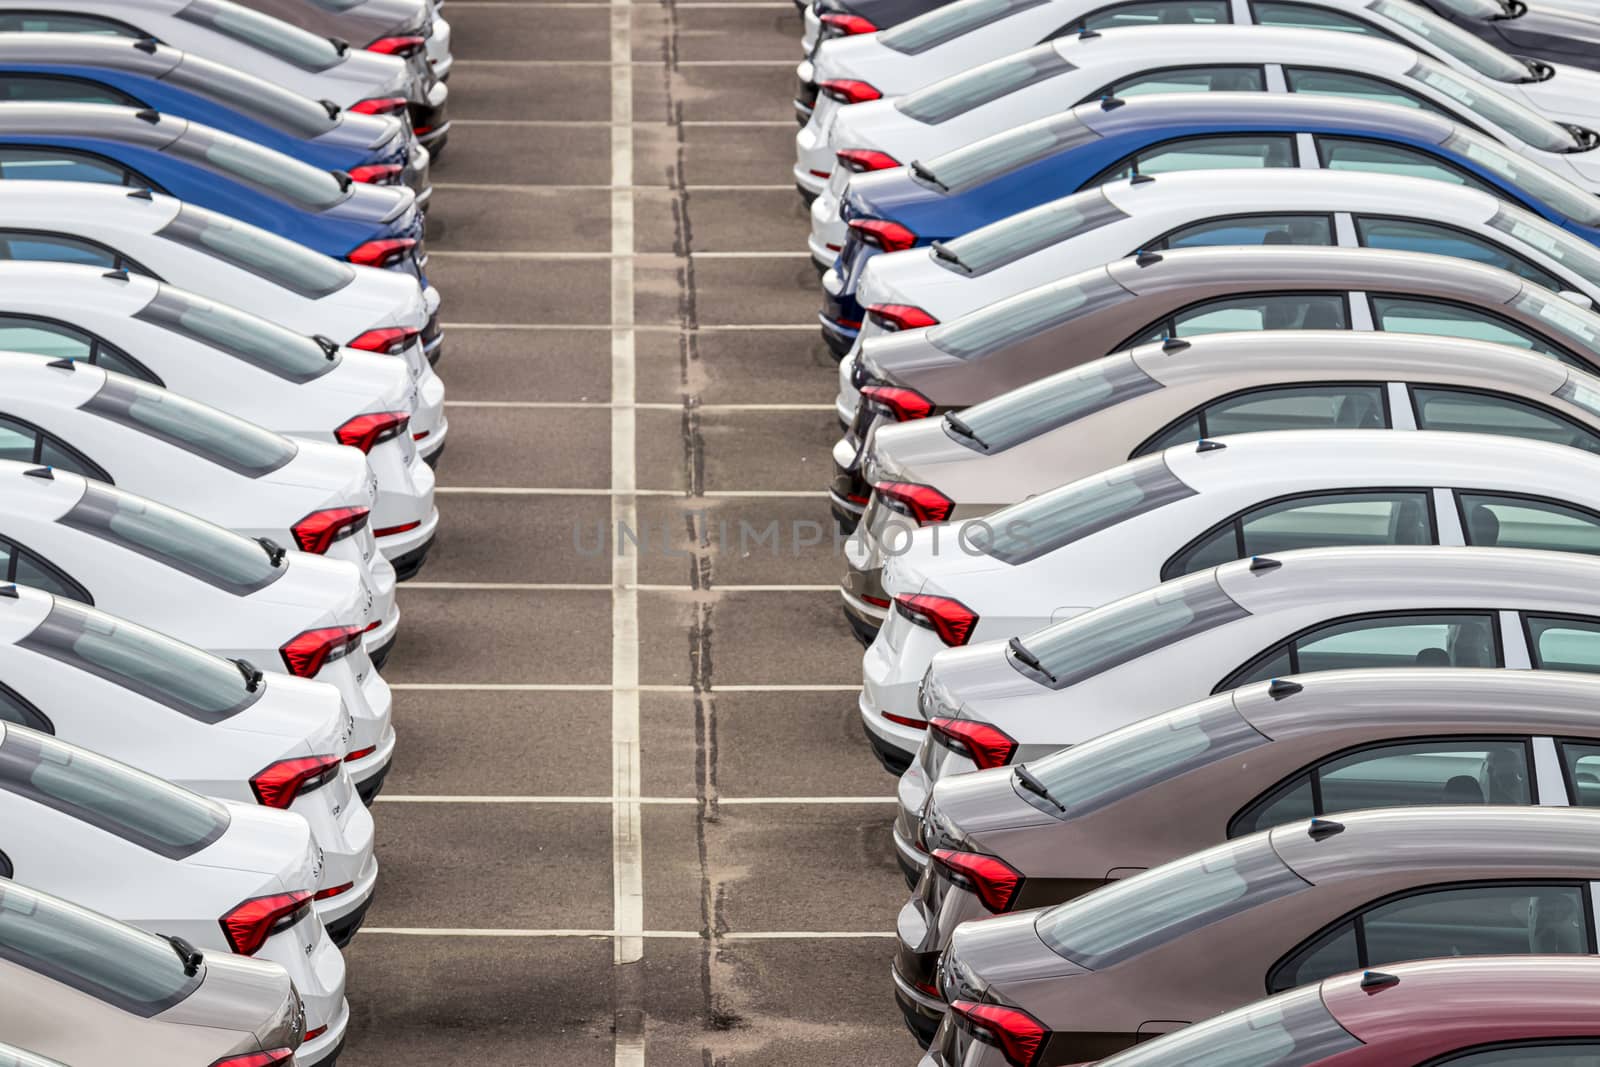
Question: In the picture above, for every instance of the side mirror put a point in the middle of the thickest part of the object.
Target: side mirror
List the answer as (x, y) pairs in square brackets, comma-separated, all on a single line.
[(1577, 298)]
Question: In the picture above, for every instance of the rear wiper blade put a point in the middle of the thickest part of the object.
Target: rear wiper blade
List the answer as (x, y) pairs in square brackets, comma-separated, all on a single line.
[(250, 673), (1028, 659), (188, 954), (959, 425), (340, 45), (333, 110), (920, 169), (1031, 783), (275, 552), (329, 346), (948, 254), (344, 180)]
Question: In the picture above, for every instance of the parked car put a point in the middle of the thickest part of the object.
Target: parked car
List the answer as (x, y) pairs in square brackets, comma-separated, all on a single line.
[(281, 611), (1034, 164), (84, 988), (1103, 413), (1050, 829), (372, 225), (951, 114), (1284, 908), (235, 878), (824, 20), (196, 720), (1559, 31)]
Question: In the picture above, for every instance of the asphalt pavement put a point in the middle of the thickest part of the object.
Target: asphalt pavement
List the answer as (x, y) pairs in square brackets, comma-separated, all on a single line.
[(632, 818)]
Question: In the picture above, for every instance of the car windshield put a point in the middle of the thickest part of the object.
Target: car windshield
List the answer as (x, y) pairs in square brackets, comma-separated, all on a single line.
[(1577, 255), (946, 23), (1292, 1030), (1048, 404), (1526, 175), (1496, 108), (242, 447), (260, 343), (273, 36), (256, 251), (960, 93), (105, 959), (1131, 916), (1050, 521), (1457, 44), (272, 172), (220, 558), (1113, 766), (998, 244), (1124, 630), (1577, 326), (137, 807), (991, 157), (279, 107), (1026, 315)]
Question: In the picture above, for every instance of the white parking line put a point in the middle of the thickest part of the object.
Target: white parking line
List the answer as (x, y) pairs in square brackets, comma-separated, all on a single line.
[(473, 798)]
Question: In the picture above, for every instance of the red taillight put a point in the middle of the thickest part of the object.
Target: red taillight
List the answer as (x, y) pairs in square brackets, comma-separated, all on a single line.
[(372, 429), (905, 720), (881, 233), (335, 891), (950, 619), (875, 601), (1019, 1036), (921, 502), (985, 745), (378, 173), (380, 105), (278, 1057), (388, 340), (317, 532), (904, 404), (383, 252), (849, 91), (310, 651), (248, 926), (994, 881), (895, 317), (389, 531), (861, 160), (278, 784), (316, 1032), (848, 25), (360, 753), (398, 46)]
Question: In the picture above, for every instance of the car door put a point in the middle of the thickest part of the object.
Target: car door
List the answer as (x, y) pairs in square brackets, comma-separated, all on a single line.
[(1249, 312), (1223, 151), (1330, 406), (1383, 639), (1450, 408)]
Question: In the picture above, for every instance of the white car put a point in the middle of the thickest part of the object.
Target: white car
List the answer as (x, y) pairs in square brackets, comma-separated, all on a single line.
[(263, 373), (194, 719), (1062, 74), (280, 611), (151, 441), (1354, 209), (227, 878), (1193, 506), (935, 46)]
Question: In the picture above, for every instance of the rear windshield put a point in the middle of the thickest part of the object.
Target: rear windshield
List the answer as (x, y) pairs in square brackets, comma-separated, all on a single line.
[(256, 251), (991, 157), (1113, 766), (15, 1057), (1292, 1030), (960, 93), (1576, 326), (1456, 43), (219, 557), (113, 962), (1123, 631), (287, 111), (1126, 918), (273, 36), (220, 438), (1577, 255), (260, 343), (993, 246), (1049, 521), (273, 173), (1018, 318), (1494, 107), (185, 679), (137, 807), (1538, 181), (1013, 418), (949, 22)]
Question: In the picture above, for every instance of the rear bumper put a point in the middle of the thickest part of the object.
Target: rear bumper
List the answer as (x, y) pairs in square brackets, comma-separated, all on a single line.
[(894, 758), (369, 772), (343, 915), (432, 460), (329, 1056), (369, 788), (864, 626), (380, 654), (840, 339), (922, 1013), (344, 929), (407, 566), (407, 544)]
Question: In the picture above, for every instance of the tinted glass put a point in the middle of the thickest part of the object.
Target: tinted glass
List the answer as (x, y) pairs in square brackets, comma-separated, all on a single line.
[(1290, 802), (1466, 412), (197, 428), (1295, 311), (949, 22), (1050, 403), (1578, 256), (1521, 522), (1290, 1031), (1155, 13), (1359, 86), (55, 165), (1442, 38), (1378, 518), (29, 570), (1405, 314), (1049, 521), (1125, 918), (1334, 953), (1443, 640), (13, 708), (54, 248), (1560, 1054), (1578, 327), (961, 93), (272, 172), (1026, 315), (1211, 153), (1307, 17), (288, 111), (17, 441), (252, 249), (1350, 406), (278, 38), (1369, 157), (1583, 772), (1191, 80), (1429, 772), (1478, 921), (44, 338), (991, 157), (1025, 233), (137, 807), (1564, 644), (1495, 108), (63, 22), (1538, 181), (1253, 230), (1435, 239), (64, 90), (195, 683), (268, 346)]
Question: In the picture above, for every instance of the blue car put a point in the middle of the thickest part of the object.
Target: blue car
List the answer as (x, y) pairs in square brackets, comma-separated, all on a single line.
[(87, 69), (1097, 142), (328, 211)]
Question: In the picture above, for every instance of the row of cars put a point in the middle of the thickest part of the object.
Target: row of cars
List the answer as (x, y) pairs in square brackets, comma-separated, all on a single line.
[(1220, 385), (219, 418)]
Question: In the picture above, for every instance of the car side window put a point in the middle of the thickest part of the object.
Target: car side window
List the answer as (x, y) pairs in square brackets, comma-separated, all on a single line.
[(1308, 17), (1564, 644), (1313, 82), (62, 90), (1409, 236), (1469, 920), (1251, 230), (1148, 13), (1340, 406), (41, 337), (1465, 411), (1564, 1053), (1235, 79), (19, 163), (1581, 760), (1506, 521), (1223, 152), (17, 710), (20, 442), (1373, 157), (1313, 521), (55, 248), (63, 22), (1445, 639), (1274, 311), (1408, 314), (26, 568)]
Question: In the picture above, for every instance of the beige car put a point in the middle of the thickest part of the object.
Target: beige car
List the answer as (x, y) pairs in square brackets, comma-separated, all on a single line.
[(91, 991)]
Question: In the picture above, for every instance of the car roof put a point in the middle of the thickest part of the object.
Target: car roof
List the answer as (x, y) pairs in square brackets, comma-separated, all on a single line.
[(1189, 44), (90, 120), (69, 285), (1456, 699), (1283, 110), (21, 614), (36, 492), (1351, 190), (92, 49), (1501, 842), (35, 382), (88, 207)]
